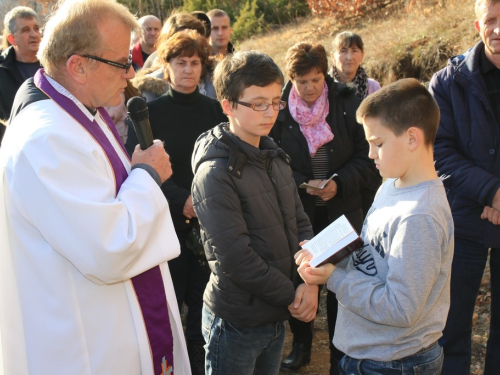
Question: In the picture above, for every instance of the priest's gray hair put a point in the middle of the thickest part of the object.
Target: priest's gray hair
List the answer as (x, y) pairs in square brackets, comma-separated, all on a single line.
[(73, 28)]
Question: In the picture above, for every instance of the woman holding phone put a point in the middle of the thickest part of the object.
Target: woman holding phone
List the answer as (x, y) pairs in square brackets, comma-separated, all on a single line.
[(318, 130)]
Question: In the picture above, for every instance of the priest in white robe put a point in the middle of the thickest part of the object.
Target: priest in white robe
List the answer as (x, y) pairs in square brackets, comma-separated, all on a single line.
[(85, 231)]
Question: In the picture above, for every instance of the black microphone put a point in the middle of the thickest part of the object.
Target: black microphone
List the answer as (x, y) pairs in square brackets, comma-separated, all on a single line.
[(137, 109)]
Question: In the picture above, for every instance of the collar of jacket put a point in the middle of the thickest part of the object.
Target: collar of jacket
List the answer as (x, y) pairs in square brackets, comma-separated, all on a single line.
[(466, 67), (137, 58), (8, 59), (241, 153), (150, 79)]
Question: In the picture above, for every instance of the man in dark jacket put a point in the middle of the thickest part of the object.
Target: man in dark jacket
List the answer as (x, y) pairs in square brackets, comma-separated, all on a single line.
[(467, 156), (19, 61)]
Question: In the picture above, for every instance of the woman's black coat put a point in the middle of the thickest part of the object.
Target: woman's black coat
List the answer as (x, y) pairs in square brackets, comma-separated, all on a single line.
[(358, 179), (178, 119)]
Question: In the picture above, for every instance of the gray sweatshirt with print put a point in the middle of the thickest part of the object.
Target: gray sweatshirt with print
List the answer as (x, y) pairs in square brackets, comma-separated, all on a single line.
[(394, 293)]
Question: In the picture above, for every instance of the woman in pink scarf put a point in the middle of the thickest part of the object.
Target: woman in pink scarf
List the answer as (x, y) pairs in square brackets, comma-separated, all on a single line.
[(318, 130)]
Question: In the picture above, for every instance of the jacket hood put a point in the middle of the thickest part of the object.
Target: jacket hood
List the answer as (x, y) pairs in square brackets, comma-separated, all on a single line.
[(150, 80), (220, 143)]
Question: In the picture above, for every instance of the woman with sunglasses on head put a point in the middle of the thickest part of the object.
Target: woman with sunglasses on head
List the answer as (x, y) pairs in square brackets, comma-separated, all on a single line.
[(318, 130), (178, 118)]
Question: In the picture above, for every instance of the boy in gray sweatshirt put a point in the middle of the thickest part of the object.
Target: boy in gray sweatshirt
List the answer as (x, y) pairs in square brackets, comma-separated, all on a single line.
[(394, 292)]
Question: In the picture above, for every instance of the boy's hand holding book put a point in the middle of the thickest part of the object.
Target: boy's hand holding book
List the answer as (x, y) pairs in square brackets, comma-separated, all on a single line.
[(334, 243), (312, 275)]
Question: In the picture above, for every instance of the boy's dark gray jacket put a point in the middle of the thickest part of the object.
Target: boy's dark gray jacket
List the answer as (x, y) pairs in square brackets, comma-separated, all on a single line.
[(252, 222)]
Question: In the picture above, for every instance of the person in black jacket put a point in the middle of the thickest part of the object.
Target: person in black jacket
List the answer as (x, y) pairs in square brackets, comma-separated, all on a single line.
[(252, 222), (178, 118), (318, 130), (17, 62), (467, 158)]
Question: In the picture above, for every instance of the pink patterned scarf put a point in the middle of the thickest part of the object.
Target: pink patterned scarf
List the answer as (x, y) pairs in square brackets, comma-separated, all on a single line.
[(312, 120)]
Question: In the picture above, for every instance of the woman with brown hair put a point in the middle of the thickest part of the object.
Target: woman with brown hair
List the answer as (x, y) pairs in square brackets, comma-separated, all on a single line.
[(178, 118), (318, 130), (348, 54), (151, 82)]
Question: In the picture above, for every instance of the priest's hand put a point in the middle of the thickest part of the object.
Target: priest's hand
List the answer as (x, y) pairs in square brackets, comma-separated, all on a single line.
[(305, 305), (156, 157)]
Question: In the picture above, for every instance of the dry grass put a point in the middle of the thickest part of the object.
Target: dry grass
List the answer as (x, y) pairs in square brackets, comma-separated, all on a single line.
[(397, 44)]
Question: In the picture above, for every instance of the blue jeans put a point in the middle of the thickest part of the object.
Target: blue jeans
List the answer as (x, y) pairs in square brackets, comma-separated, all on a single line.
[(426, 362), (469, 261), (241, 350)]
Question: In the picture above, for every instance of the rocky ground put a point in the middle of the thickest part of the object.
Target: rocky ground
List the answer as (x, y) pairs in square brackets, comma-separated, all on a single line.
[(320, 355)]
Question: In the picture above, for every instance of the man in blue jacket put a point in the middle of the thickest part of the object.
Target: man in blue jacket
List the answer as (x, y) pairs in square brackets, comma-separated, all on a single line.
[(467, 157)]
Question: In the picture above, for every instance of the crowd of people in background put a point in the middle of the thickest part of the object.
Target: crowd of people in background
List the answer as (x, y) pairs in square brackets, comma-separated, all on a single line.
[(207, 223)]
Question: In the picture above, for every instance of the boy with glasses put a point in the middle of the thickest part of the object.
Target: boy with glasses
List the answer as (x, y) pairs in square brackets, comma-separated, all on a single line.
[(251, 221)]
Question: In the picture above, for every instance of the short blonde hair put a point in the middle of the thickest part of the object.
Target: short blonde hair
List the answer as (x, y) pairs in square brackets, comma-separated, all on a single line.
[(74, 29)]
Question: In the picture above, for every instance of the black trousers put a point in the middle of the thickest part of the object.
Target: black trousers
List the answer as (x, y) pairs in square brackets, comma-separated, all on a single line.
[(189, 281)]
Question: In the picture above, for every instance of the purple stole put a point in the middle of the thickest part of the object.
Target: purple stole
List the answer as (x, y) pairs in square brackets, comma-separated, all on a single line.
[(148, 286)]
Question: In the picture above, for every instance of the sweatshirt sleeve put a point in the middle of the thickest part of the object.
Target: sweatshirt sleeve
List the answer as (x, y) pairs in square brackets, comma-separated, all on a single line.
[(414, 264), (227, 239)]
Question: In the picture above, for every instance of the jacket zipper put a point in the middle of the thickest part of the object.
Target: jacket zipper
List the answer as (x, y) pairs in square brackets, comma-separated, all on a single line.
[(280, 205)]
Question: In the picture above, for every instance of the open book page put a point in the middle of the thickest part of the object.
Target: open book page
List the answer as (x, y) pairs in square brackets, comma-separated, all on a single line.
[(334, 239)]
